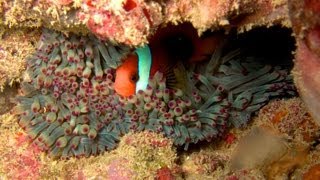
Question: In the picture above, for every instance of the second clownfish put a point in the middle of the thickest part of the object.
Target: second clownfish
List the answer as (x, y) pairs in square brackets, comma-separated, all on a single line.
[(168, 47)]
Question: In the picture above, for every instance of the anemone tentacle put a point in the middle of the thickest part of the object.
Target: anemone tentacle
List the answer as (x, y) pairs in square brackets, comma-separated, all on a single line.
[(70, 108)]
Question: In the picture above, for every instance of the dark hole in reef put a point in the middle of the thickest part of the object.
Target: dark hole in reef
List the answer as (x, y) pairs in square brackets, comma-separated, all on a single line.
[(273, 46), (6, 96), (178, 46)]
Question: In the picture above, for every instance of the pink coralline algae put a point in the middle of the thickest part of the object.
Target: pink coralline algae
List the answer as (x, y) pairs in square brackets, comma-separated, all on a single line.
[(164, 174), (118, 169), (305, 17), (70, 108), (22, 161), (124, 21), (61, 2), (290, 117)]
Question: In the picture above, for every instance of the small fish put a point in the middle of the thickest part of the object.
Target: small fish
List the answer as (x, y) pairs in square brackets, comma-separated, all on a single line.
[(168, 51)]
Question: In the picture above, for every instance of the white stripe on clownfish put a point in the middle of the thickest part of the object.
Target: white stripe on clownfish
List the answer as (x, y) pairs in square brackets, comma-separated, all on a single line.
[(144, 67)]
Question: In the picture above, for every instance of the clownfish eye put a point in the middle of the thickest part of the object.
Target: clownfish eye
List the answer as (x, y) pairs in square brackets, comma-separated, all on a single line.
[(134, 78)]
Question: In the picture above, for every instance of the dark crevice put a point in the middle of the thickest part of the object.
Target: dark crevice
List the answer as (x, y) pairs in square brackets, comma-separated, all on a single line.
[(275, 45)]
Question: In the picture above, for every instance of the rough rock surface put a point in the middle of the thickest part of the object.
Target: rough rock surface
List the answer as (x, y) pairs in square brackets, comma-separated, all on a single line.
[(305, 17), (106, 18)]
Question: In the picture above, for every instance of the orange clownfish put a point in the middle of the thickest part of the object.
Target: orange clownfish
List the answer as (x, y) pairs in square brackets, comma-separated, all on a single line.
[(168, 47)]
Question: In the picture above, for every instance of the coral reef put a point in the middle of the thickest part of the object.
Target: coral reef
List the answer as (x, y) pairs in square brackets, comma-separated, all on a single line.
[(305, 19), (291, 121), (27, 166), (266, 13), (15, 47), (139, 17), (311, 169), (287, 132), (19, 160), (69, 107), (295, 157), (256, 149), (204, 163), (124, 21), (5, 97), (26, 14), (290, 117), (244, 15), (312, 172), (156, 156)]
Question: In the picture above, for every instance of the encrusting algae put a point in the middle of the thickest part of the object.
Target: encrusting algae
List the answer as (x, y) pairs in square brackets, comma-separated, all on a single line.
[(15, 47), (142, 155), (290, 117), (69, 107), (33, 14)]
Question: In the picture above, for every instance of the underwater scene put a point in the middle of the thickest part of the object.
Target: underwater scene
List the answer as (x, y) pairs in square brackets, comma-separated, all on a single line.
[(160, 89)]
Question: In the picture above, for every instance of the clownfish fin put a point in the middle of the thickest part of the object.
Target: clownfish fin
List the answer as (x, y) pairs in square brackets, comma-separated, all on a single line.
[(182, 78), (170, 76), (177, 77)]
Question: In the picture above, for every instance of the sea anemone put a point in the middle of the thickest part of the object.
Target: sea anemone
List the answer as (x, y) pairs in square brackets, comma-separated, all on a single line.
[(69, 107), (68, 101)]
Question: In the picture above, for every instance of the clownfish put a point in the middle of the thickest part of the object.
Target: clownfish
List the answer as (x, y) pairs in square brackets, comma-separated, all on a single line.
[(169, 47)]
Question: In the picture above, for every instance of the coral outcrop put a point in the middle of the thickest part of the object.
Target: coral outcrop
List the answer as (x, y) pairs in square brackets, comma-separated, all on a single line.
[(156, 156), (141, 18), (124, 21), (106, 18), (215, 14), (290, 117), (28, 14), (305, 19), (15, 47), (19, 159), (281, 141)]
